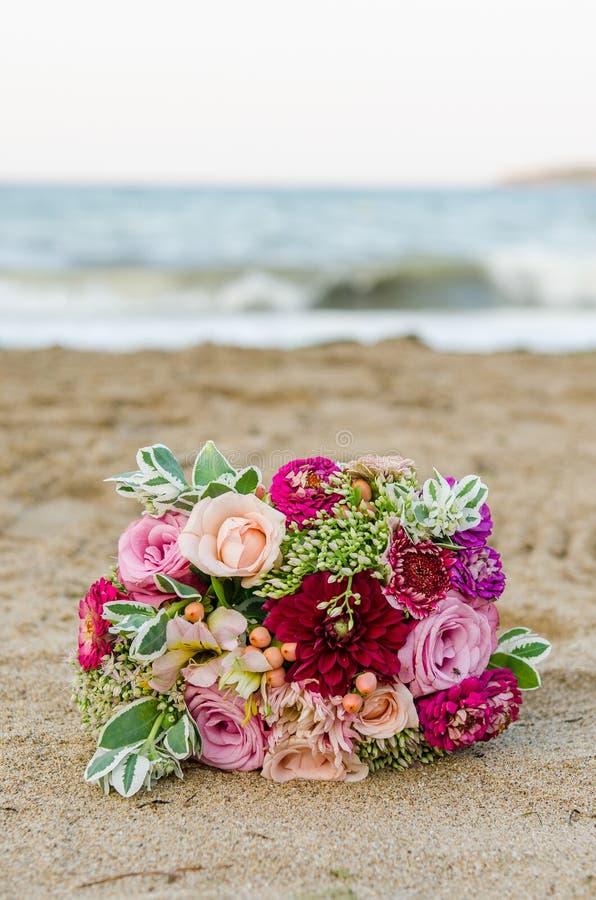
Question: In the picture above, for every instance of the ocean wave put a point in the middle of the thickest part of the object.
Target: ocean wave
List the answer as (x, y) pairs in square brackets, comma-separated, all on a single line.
[(505, 279)]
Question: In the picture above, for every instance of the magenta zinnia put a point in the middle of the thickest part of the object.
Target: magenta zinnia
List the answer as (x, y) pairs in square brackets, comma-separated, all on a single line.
[(478, 572), (330, 649), (94, 638), (420, 574), (299, 490), (476, 709)]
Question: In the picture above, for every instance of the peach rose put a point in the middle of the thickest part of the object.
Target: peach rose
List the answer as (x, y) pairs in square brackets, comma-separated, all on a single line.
[(233, 535), (298, 758), (386, 712)]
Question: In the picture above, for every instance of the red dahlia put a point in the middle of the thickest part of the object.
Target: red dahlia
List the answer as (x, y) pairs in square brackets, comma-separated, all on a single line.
[(330, 649), (419, 574)]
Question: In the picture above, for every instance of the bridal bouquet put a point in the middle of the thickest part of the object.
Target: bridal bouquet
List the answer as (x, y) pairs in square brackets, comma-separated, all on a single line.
[(341, 620)]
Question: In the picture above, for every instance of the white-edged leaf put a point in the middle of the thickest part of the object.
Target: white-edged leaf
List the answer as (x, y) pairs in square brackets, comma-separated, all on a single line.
[(177, 740), (171, 586), (513, 632), (129, 625), (215, 488), (209, 465), (128, 776), (130, 725), (117, 610), (534, 651), (103, 761), (167, 465), (526, 645), (527, 676), (247, 480), (130, 477), (150, 640)]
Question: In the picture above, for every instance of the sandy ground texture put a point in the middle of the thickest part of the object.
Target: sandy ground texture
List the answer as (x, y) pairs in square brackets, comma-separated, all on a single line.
[(511, 817)]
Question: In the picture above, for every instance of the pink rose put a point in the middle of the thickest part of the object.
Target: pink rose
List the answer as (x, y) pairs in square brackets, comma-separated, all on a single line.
[(487, 608), (227, 743), (233, 535), (387, 711), (452, 643), (299, 758), (148, 547)]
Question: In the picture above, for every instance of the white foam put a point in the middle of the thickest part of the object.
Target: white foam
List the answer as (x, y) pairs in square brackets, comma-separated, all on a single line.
[(544, 331)]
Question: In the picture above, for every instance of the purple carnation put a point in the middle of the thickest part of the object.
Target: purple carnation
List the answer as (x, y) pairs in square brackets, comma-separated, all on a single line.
[(477, 536), (478, 572), (298, 488), (476, 709)]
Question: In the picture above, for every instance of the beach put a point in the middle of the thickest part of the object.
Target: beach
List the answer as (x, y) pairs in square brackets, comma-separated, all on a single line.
[(509, 817)]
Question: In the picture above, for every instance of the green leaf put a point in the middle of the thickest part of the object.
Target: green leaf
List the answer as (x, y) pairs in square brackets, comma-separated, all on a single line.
[(177, 740), (128, 777), (247, 481), (167, 465), (219, 590), (467, 485), (103, 761), (532, 650), (171, 586), (527, 676), (215, 488), (150, 641), (130, 725), (420, 513), (116, 610), (155, 482), (209, 465), (195, 739), (480, 497), (252, 607), (513, 632), (187, 500), (126, 476), (129, 625)]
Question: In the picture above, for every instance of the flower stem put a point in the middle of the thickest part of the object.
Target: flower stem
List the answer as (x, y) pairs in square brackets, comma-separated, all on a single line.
[(152, 734), (180, 604)]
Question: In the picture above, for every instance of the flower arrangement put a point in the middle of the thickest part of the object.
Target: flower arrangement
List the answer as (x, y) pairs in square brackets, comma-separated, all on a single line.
[(341, 621)]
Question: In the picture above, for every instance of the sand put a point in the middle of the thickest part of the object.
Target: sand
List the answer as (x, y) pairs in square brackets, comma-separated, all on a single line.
[(513, 817)]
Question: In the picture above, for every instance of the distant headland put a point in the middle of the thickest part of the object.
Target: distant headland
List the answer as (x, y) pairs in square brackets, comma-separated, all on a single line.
[(562, 175)]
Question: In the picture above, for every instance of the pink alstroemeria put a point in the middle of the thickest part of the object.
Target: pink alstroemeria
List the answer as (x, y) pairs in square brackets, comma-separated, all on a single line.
[(226, 626), (186, 639)]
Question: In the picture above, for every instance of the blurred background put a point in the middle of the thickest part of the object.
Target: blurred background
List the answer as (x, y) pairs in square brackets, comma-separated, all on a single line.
[(279, 175)]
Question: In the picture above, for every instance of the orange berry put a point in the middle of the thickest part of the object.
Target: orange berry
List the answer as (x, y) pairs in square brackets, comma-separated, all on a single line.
[(195, 611), (260, 491), (352, 703), (276, 677), (274, 657), (365, 489), (288, 651), (366, 682), (260, 637)]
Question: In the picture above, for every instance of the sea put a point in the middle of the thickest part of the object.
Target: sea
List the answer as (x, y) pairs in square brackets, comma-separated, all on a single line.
[(134, 267)]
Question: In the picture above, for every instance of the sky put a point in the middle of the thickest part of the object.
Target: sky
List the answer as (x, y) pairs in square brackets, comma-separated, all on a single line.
[(316, 91)]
